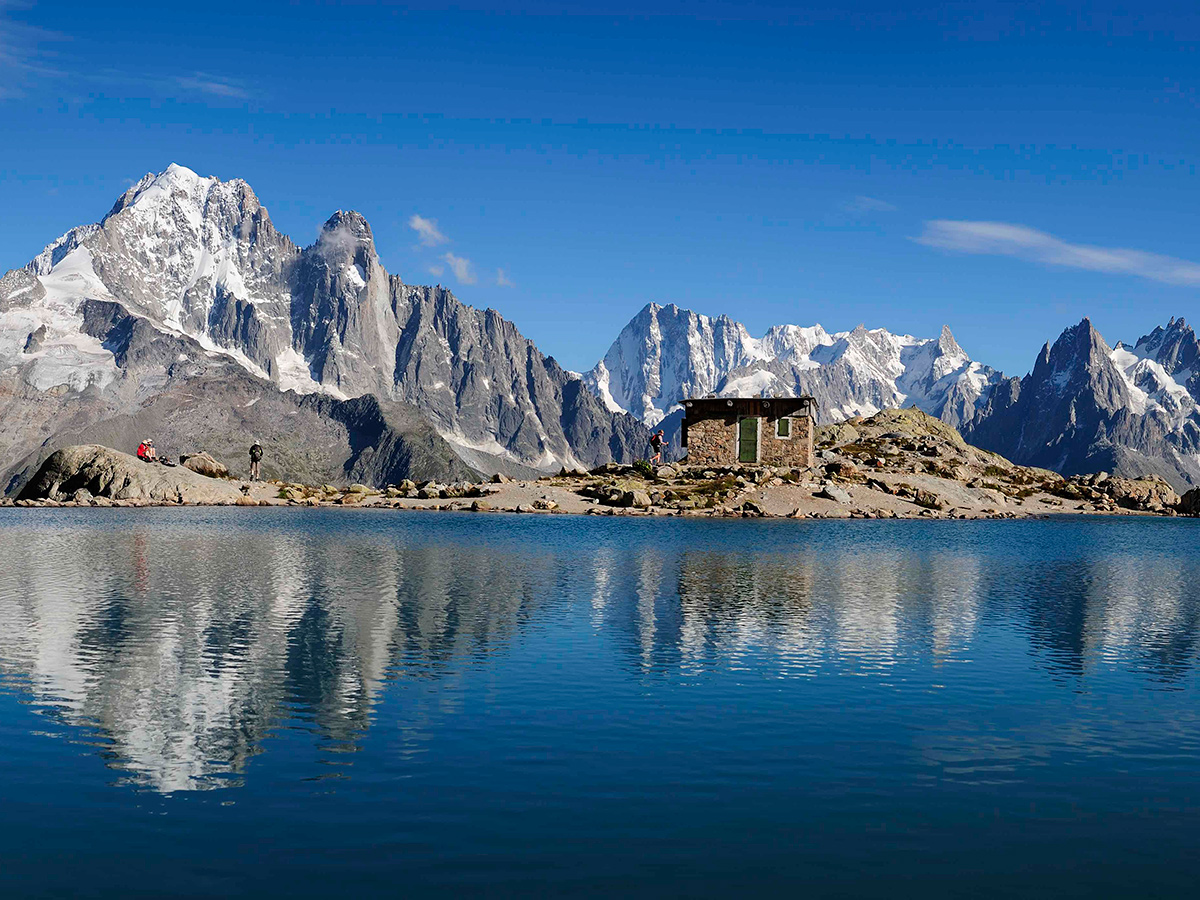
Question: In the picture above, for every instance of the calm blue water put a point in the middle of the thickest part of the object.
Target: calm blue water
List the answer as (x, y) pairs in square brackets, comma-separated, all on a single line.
[(328, 702)]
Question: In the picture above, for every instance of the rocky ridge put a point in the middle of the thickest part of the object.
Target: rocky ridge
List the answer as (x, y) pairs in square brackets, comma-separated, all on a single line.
[(895, 464)]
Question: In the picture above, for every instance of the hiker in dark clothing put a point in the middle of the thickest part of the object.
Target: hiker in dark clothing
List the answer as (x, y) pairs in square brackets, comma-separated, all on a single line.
[(256, 455), (656, 444)]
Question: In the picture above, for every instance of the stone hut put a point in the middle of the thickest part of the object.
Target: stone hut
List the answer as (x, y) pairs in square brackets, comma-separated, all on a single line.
[(729, 431)]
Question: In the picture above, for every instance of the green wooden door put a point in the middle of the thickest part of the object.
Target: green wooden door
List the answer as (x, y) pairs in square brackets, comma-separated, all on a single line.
[(748, 440)]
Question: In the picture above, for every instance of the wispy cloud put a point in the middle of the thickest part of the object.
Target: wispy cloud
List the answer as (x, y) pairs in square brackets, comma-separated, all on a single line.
[(502, 279), (861, 204), (1003, 239), (214, 85), (461, 268), (27, 57), (23, 58), (437, 271), (427, 231)]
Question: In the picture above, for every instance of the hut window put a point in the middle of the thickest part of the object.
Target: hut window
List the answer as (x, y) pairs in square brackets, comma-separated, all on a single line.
[(783, 428)]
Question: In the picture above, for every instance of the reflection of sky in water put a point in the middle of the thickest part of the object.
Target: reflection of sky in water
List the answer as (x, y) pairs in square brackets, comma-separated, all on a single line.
[(856, 665)]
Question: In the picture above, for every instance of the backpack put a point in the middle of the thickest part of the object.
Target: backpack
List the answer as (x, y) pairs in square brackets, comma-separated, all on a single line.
[(255, 453)]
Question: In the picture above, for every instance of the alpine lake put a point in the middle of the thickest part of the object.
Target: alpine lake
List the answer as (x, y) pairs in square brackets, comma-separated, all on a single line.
[(325, 703)]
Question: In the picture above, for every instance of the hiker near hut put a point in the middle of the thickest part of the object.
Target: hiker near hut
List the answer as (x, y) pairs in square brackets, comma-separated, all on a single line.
[(256, 455), (656, 444)]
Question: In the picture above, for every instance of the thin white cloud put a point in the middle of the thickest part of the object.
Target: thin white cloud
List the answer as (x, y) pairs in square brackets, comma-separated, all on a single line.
[(437, 271), (215, 85), (23, 53), (427, 230), (503, 280), (861, 204), (461, 268), (1022, 242)]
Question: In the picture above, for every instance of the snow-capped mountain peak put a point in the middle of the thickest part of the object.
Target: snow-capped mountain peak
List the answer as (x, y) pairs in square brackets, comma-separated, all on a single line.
[(666, 353), (198, 261)]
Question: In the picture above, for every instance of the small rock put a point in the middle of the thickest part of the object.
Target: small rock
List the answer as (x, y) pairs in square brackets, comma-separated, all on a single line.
[(835, 493), (638, 500), (500, 478), (928, 499), (841, 468)]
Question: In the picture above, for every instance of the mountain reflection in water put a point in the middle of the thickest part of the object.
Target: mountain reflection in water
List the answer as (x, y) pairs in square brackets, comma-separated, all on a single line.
[(180, 640)]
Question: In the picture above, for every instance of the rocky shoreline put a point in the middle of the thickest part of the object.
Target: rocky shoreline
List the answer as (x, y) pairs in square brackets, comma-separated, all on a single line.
[(897, 464)]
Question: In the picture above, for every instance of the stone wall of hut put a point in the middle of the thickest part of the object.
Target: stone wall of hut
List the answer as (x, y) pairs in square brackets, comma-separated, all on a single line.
[(713, 442)]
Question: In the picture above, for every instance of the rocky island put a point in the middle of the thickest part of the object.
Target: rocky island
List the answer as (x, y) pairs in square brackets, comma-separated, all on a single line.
[(895, 464)]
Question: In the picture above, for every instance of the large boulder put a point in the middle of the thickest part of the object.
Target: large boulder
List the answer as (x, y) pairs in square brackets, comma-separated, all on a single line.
[(1145, 493), (203, 464), (1189, 503), (113, 475)]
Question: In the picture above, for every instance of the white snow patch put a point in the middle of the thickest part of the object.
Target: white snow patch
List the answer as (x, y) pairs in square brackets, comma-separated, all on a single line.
[(356, 275), (748, 385), (293, 374)]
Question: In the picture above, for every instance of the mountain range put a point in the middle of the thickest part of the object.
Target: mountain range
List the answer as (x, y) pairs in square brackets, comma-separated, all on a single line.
[(1084, 407), (185, 292), (185, 315)]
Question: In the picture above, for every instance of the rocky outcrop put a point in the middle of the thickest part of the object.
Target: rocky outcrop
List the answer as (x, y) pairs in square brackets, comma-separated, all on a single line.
[(203, 464), (104, 472)]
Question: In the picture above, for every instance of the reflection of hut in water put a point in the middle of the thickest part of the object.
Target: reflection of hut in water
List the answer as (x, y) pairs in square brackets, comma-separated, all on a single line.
[(727, 431)]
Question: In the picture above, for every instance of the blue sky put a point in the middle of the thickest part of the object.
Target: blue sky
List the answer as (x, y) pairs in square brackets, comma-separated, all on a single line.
[(1004, 168)]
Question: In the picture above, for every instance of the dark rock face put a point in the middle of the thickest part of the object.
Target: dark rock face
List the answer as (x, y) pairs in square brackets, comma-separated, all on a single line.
[(104, 472), (1189, 503), (189, 401), (1060, 407), (1077, 413), (34, 342)]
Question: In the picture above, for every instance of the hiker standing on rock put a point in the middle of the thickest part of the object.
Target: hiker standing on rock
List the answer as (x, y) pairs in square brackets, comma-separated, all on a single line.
[(256, 455), (656, 444)]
